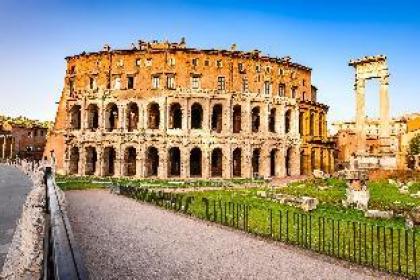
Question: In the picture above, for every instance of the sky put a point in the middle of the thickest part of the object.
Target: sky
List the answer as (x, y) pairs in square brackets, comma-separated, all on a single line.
[(36, 36)]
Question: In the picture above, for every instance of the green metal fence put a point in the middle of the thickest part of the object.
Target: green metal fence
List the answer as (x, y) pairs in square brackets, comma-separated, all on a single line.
[(394, 250)]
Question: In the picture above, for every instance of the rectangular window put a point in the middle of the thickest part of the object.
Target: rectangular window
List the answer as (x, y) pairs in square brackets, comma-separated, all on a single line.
[(221, 85), (245, 85), (155, 82), (195, 82), (293, 92), (92, 82), (148, 62), (219, 64), (267, 88), (281, 90), (71, 86), (170, 82), (258, 68), (117, 82), (206, 62), (138, 62), (130, 82), (171, 61), (195, 61), (240, 67)]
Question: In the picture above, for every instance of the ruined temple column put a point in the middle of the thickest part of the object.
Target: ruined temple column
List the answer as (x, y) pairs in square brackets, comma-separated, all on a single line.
[(295, 161), (3, 148), (139, 161), (384, 107), (82, 161), (98, 168), (360, 115)]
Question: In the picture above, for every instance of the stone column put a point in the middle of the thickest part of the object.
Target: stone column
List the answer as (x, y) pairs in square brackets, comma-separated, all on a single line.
[(3, 148), (185, 162), (205, 162), (1, 145), (118, 163), (226, 165), (139, 162), (98, 168), (123, 117), (82, 160), (163, 162), (360, 115), (384, 107)]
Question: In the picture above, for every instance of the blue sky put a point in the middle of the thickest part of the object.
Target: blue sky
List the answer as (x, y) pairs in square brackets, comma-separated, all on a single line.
[(35, 36)]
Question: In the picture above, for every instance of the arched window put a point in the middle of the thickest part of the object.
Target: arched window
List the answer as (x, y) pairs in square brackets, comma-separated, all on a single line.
[(255, 119), (75, 117), (130, 161), (74, 161), (93, 116), (195, 162), (132, 116), (273, 163), (175, 116), (153, 116), (196, 116), (287, 121), (111, 117), (217, 118), (288, 162), (236, 162), (91, 159), (216, 162), (152, 162), (174, 162), (109, 161), (237, 119), (272, 120), (256, 162)]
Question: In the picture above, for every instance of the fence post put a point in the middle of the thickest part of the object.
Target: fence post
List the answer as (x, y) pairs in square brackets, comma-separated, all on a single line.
[(280, 220), (414, 253)]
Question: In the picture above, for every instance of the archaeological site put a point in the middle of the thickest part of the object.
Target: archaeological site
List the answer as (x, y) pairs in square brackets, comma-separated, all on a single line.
[(165, 110)]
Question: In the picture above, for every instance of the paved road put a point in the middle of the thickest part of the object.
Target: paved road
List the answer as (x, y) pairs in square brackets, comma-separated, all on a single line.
[(14, 186), (123, 239)]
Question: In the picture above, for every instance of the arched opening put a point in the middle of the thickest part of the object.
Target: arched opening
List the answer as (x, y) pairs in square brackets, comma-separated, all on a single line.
[(74, 161), (322, 163), (312, 124), (273, 157), (75, 117), (175, 116), (91, 159), (287, 121), (196, 116), (217, 118), (301, 122), (111, 117), (272, 120), (216, 162), (313, 159), (130, 160), (256, 162), (153, 113), (288, 162), (320, 124), (195, 162), (93, 116), (152, 162), (237, 119), (236, 162), (302, 163), (132, 116), (109, 161), (174, 162), (255, 119)]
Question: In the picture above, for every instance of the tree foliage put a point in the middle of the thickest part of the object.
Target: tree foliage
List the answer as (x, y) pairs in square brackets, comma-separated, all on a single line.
[(415, 145)]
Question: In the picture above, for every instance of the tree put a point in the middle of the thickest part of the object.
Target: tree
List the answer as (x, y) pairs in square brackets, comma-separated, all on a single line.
[(414, 145)]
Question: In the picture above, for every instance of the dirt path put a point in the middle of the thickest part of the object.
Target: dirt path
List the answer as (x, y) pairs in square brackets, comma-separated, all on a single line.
[(123, 239)]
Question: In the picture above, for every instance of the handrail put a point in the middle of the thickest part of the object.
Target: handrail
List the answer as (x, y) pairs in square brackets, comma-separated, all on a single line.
[(63, 258)]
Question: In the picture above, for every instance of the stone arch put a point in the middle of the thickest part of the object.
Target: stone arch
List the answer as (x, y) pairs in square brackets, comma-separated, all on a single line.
[(76, 117), (196, 157), (217, 162), (288, 161), (91, 160), (111, 117), (255, 119), (130, 161), (93, 116), (74, 161), (273, 162), (153, 116), (174, 162), (237, 119), (109, 158), (288, 121), (301, 123), (237, 162), (132, 116), (152, 162), (255, 161), (272, 120), (175, 116), (196, 116), (217, 118)]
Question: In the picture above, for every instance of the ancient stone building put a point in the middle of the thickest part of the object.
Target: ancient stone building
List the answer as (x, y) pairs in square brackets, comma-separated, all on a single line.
[(165, 110)]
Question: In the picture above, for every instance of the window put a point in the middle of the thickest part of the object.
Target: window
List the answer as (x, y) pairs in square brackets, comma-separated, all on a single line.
[(71, 86), (219, 64), (117, 82), (221, 83), (195, 82), (171, 61), (293, 92), (244, 85), (130, 82), (138, 62), (92, 82), (258, 68), (267, 88), (206, 62), (30, 134), (281, 71), (281, 90), (155, 82), (170, 82), (148, 62), (303, 82), (267, 69), (195, 61), (240, 67), (120, 63)]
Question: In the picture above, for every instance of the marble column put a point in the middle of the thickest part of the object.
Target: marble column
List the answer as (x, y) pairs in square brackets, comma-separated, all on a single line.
[(360, 115)]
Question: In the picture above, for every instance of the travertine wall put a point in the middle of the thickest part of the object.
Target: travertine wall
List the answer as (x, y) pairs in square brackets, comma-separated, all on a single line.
[(106, 116)]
